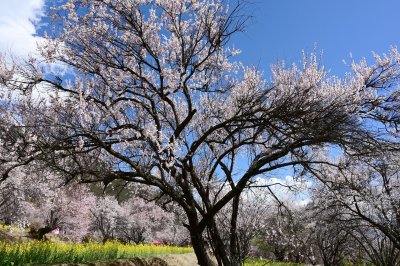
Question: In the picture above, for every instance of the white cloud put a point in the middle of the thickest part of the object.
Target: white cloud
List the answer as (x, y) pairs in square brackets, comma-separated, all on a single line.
[(17, 25), (291, 191)]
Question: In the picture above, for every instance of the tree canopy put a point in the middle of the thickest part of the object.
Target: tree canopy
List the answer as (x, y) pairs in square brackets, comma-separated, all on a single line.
[(150, 93)]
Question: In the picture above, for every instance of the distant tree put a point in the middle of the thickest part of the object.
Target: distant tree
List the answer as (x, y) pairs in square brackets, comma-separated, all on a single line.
[(145, 221), (151, 95), (133, 221), (67, 210), (379, 249), (106, 213), (367, 190), (340, 239), (331, 235), (253, 207), (40, 199), (288, 236), (11, 200), (258, 207)]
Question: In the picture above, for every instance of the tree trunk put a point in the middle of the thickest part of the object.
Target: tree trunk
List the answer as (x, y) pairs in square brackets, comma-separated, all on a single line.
[(40, 233), (279, 254), (220, 249), (198, 243), (200, 246), (200, 249), (235, 249)]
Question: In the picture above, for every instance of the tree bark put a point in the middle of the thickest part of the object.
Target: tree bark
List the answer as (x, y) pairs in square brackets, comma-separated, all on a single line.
[(198, 241), (235, 249), (220, 249), (200, 249)]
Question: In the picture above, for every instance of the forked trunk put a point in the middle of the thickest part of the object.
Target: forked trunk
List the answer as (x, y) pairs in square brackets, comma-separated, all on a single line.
[(219, 248), (200, 249), (198, 242)]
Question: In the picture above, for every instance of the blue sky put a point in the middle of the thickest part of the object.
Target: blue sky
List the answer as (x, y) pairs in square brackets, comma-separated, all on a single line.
[(282, 28)]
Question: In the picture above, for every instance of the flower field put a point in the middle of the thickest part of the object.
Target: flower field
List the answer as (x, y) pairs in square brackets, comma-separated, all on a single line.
[(38, 252)]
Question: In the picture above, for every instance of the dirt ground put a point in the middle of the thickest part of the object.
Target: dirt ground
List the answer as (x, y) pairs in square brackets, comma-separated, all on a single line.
[(180, 260), (165, 260)]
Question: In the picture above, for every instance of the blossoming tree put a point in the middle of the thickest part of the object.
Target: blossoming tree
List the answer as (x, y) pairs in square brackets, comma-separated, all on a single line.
[(366, 190), (150, 94), (39, 200), (134, 221)]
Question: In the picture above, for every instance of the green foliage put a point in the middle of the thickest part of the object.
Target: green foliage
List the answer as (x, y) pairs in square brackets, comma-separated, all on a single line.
[(39, 252)]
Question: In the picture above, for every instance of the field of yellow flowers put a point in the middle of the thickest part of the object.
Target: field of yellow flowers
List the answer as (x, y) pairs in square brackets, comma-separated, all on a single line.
[(39, 252)]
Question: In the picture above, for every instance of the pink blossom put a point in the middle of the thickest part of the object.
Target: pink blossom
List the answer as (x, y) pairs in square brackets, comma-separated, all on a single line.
[(157, 242)]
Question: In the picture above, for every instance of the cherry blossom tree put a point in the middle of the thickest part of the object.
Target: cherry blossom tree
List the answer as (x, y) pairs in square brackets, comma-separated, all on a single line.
[(152, 95), (40, 199), (106, 214), (68, 210), (260, 204), (380, 249), (145, 221), (333, 235), (133, 221), (364, 189), (12, 204), (253, 207), (288, 234)]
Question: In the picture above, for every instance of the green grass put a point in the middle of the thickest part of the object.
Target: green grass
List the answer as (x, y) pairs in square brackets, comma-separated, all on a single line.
[(262, 262), (39, 252)]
